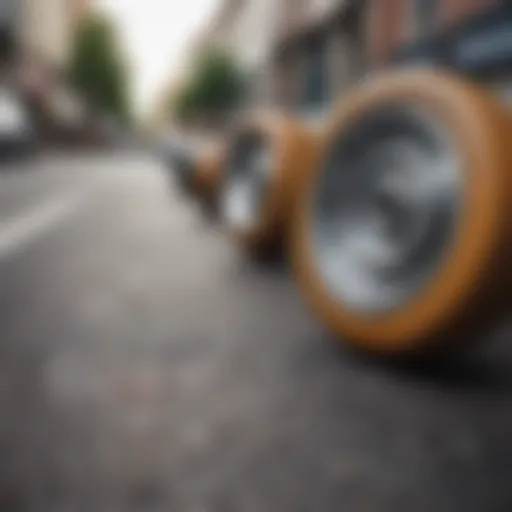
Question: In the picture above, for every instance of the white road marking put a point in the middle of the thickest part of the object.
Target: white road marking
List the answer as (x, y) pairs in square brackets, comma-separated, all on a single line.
[(19, 232)]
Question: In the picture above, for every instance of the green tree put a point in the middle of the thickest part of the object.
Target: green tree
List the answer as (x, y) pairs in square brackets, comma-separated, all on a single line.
[(97, 70), (185, 103), (216, 86)]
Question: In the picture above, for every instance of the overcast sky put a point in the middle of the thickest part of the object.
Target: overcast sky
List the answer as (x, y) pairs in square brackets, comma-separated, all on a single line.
[(155, 34)]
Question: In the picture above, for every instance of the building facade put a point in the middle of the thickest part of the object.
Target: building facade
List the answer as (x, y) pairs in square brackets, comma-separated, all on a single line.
[(326, 46), (473, 37), (48, 27), (218, 32), (44, 39), (319, 52), (252, 41), (39, 36), (396, 23), (246, 29), (10, 18)]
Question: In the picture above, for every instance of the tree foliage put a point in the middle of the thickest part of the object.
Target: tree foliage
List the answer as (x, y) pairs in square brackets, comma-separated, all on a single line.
[(96, 67), (216, 85)]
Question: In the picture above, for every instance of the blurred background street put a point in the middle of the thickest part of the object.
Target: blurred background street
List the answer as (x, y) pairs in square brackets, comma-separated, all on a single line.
[(147, 365)]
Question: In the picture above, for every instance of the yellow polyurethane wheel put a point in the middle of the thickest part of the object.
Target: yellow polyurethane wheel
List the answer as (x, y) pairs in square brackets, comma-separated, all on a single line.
[(268, 158), (402, 234), (208, 174)]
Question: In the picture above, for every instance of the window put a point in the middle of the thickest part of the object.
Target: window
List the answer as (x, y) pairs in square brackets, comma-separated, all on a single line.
[(7, 43), (424, 17), (316, 80)]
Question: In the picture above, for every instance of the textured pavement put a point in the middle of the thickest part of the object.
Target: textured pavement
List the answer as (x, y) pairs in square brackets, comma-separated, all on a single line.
[(146, 365)]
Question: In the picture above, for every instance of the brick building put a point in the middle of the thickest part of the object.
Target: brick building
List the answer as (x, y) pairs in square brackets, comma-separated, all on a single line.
[(326, 46), (318, 52), (395, 23)]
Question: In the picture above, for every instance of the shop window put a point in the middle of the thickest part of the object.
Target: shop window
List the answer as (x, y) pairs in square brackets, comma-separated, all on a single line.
[(316, 80), (424, 18), (6, 43)]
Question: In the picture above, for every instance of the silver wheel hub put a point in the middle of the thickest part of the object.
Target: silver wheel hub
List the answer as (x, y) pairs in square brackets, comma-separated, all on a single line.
[(385, 209), (246, 183)]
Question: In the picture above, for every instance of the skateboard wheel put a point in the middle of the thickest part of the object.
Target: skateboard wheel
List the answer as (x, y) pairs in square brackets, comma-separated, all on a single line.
[(402, 233), (208, 172), (267, 160)]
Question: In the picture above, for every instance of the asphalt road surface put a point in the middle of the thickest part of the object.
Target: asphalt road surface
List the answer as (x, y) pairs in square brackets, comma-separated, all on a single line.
[(146, 365)]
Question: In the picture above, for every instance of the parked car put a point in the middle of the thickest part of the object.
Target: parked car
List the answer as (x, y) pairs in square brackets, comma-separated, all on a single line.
[(17, 132)]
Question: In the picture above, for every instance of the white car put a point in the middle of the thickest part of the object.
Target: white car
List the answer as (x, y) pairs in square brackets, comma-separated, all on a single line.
[(16, 127)]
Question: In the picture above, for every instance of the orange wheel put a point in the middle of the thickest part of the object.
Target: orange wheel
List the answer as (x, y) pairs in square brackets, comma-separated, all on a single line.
[(207, 176), (268, 158), (402, 235)]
